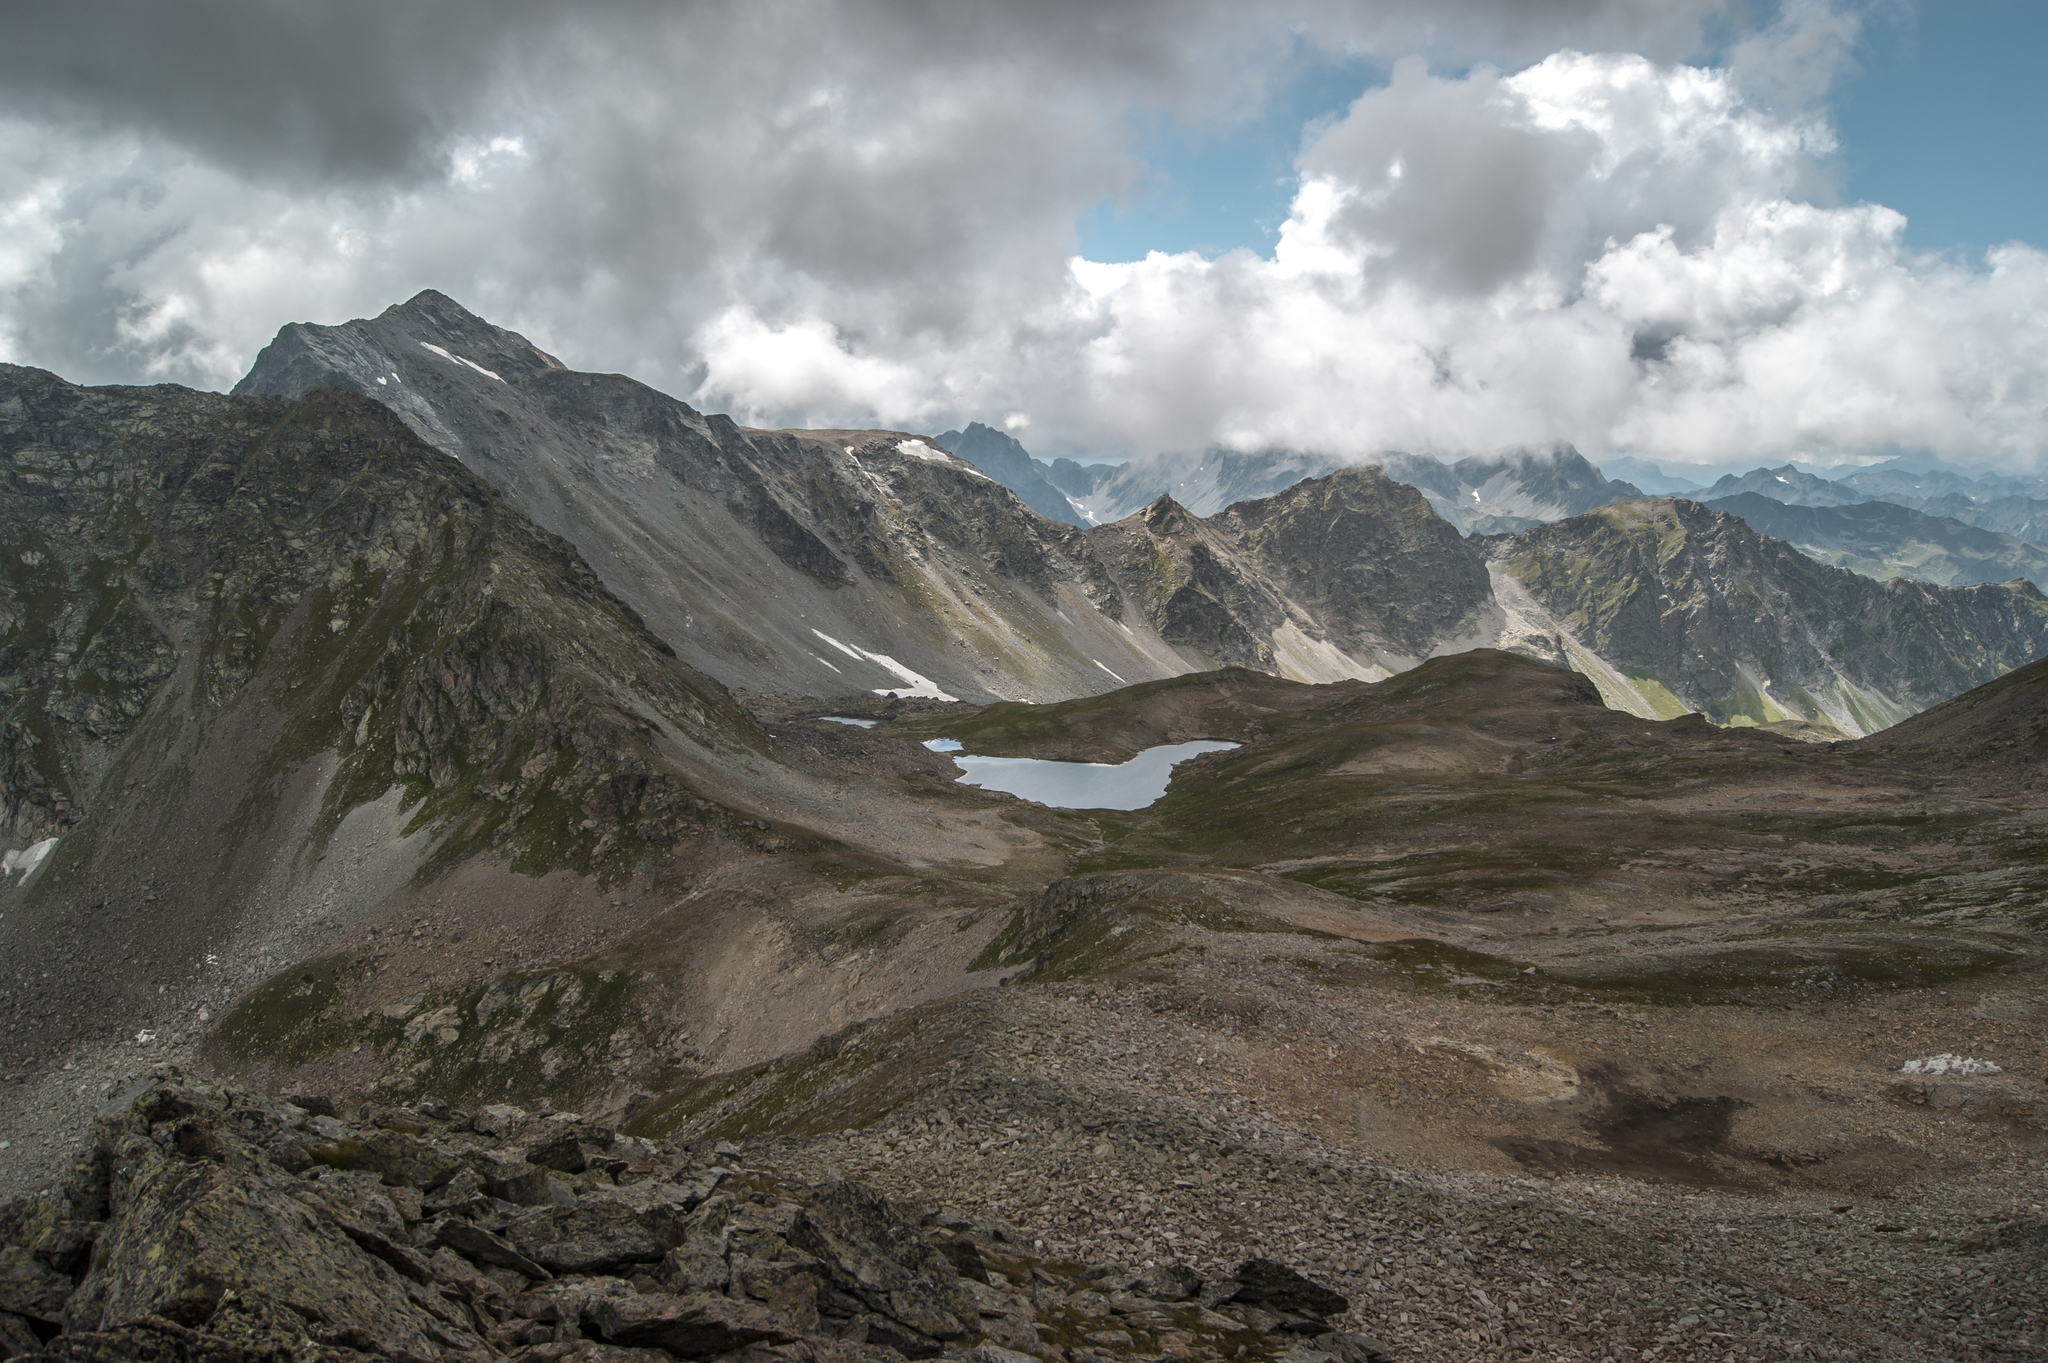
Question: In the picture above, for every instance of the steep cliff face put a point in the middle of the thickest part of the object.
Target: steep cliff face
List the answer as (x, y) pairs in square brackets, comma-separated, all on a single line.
[(1691, 604)]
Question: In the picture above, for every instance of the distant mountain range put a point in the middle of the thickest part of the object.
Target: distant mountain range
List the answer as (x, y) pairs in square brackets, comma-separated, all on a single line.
[(1884, 539), (2004, 505), (1938, 525), (823, 562), (1484, 494)]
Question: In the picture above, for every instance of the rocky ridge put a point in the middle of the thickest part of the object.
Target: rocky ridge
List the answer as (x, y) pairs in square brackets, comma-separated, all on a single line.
[(1674, 607), (1881, 540), (890, 565), (204, 1222)]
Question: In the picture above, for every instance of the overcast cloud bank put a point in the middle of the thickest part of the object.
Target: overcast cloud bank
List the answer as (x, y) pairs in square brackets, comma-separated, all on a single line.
[(845, 215)]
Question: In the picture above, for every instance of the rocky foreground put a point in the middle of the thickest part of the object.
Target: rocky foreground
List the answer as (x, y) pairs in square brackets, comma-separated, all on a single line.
[(207, 1223)]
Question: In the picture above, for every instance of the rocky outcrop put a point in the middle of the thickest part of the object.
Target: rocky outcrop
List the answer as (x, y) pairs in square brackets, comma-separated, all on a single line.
[(206, 1223)]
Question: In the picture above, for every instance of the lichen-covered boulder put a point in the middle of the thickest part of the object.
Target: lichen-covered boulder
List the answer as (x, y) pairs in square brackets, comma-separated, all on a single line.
[(190, 1240)]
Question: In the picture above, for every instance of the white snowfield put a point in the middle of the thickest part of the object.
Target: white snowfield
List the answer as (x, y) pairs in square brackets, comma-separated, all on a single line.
[(914, 684), (1948, 1063), (26, 860), (457, 359)]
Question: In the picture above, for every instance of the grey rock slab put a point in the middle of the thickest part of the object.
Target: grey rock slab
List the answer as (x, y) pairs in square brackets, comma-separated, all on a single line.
[(189, 1238), (588, 1236), (698, 1325), (484, 1247)]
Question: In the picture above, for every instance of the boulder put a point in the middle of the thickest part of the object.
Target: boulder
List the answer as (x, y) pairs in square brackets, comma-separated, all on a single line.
[(1278, 1288), (190, 1239), (1168, 1282), (476, 1243), (588, 1236), (697, 1325)]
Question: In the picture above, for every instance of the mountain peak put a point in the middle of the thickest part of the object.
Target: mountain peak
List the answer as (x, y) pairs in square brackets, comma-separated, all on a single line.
[(426, 340), (431, 305), (1164, 515)]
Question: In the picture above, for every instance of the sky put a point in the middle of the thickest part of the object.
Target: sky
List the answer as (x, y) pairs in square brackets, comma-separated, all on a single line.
[(1693, 232)]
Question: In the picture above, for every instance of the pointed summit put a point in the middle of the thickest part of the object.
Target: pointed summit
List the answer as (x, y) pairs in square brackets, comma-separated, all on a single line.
[(426, 340)]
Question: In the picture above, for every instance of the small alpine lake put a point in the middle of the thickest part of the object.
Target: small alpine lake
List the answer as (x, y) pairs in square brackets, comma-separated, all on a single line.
[(1079, 785)]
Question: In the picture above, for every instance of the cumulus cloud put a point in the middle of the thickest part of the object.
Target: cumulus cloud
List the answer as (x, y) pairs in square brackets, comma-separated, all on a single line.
[(1545, 225), (1597, 248)]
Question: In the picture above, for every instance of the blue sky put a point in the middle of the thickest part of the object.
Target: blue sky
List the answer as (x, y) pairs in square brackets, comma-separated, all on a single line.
[(1943, 117), (1946, 121)]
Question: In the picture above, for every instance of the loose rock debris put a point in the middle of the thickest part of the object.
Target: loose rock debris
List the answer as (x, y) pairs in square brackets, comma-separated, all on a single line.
[(205, 1223)]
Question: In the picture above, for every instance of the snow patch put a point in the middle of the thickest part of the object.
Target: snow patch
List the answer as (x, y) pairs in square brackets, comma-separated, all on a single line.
[(1099, 663), (854, 654), (383, 382), (915, 685), (815, 658), (1949, 1063), (457, 359), (943, 744), (26, 860), (847, 719), (917, 449)]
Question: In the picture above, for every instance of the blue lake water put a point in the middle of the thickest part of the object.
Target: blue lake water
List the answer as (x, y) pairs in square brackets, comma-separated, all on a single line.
[(1079, 785)]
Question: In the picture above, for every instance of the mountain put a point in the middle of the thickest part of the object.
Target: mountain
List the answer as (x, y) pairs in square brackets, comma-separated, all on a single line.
[(1882, 540), (1486, 494), (1784, 484), (2022, 517), (1995, 502), (1497, 494), (1652, 478), (816, 561), (827, 562), (272, 665), (1893, 481), (1009, 463), (1350, 575), (1204, 483), (1674, 606), (1075, 479)]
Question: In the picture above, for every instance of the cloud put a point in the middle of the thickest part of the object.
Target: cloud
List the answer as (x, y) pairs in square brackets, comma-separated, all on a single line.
[(804, 368), (1545, 226), (1599, 249)]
